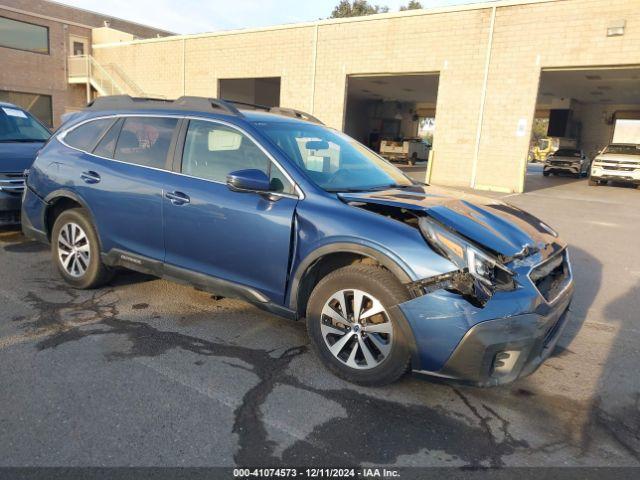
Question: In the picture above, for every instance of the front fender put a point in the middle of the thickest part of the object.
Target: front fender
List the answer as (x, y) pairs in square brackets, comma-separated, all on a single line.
[(348, 245)]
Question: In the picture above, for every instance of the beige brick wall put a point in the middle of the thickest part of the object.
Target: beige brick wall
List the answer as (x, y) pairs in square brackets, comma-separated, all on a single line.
[(453, 43), (574, 35)]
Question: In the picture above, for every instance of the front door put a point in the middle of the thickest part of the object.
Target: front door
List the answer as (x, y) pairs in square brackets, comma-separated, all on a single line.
[(239, 237)]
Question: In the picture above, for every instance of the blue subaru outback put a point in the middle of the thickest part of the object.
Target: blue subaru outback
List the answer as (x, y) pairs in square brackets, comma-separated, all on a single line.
[(21, 136), (299, 219)]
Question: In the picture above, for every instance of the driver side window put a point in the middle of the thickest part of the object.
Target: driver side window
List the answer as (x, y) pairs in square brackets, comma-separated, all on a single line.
[(212, 151)]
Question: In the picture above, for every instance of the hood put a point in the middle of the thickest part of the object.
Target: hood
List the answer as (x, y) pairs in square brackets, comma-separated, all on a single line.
[(565, 158), (494, 225), (618, 157), (18, 156)]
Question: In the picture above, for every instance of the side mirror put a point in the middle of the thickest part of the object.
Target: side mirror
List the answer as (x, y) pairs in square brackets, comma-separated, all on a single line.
[(250, 180)]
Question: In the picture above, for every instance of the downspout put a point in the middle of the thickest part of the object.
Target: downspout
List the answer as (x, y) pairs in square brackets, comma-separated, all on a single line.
[(184, 66), (313, 75), (483, 96)]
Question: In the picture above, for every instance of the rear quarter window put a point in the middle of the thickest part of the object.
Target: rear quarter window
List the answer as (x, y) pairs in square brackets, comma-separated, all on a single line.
[(88, 134)]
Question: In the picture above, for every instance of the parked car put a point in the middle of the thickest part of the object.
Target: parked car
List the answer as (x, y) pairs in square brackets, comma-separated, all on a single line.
[(21, 136), (567, 160), (619, 162), (410, 150), (305, 222)]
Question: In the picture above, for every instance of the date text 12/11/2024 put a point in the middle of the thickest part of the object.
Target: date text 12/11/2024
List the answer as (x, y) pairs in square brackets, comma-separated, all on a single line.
[(337, 473)]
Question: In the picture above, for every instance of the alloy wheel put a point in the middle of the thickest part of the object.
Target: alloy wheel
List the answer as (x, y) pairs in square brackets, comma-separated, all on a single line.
[(356, 329), (74, 251)]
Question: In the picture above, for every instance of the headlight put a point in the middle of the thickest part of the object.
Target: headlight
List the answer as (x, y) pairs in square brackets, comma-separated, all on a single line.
[(481, 265)]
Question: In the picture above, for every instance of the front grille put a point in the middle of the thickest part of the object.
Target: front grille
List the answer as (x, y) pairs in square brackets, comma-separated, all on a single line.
[(619, 169), (12, 183), (9, 218), (551, 276)]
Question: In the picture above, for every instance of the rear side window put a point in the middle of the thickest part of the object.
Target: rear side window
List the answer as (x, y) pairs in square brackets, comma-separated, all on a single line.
[(145, 141), (87, 135)]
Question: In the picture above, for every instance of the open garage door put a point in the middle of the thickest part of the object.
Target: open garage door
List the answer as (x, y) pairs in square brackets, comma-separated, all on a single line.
[(258, 91), (393, 114), (579, 112)]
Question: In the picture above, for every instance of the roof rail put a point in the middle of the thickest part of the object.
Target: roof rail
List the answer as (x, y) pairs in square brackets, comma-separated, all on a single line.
[(290, 112), (201, 104), (247, 104), (117, 102)]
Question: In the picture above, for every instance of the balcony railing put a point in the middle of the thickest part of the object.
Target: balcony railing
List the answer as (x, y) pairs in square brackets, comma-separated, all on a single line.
[(85, 68), (107, 80)]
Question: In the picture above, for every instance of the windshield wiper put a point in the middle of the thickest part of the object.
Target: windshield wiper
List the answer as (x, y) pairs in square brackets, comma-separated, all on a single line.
[(368, 189)]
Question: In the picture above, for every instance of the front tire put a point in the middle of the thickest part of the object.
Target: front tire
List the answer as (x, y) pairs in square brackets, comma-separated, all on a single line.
[(76, 250), (351, 326)]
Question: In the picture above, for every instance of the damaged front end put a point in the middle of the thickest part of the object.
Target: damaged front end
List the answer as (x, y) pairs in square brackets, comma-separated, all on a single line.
[(480, 273), (500, 310)]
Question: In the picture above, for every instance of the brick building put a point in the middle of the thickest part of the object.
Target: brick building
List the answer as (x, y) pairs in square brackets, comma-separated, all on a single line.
[(480, 73), (41, 40)]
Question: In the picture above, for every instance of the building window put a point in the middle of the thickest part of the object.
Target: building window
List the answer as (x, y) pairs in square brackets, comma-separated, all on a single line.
[(37, 105), (78, 48), (24, 36)]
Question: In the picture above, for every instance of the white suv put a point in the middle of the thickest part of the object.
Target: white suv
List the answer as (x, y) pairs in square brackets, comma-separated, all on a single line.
[(619, 162)]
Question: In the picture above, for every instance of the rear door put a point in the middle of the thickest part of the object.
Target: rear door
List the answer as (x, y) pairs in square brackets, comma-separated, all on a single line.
[(122, 180), (243, 238)]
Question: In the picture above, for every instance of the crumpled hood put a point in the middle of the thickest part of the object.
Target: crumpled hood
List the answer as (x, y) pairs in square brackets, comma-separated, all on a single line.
[(495, 225), (16, 157)]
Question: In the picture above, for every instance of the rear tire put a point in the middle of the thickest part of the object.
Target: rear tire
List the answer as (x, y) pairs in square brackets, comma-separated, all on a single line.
[(371, 351), (76, 250), (545, 174)]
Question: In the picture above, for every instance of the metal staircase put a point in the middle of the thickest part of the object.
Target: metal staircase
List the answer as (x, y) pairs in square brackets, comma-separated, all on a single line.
[(106, 80)]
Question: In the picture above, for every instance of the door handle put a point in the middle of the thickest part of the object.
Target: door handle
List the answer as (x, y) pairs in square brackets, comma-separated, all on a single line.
[(90, 177), (177, 198)]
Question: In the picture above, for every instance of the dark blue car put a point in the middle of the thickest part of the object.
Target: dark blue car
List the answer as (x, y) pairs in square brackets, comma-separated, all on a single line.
[(21, 136), (301, 220)]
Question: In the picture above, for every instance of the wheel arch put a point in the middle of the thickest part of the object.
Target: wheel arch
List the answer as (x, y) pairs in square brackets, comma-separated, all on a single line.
[(57, 202), (330, 257)]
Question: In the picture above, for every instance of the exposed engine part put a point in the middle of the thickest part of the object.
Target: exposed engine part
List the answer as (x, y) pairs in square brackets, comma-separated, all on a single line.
[(460, 282)]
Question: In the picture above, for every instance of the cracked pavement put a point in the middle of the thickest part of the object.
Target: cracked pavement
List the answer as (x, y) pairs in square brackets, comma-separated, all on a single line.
[(145, 372)]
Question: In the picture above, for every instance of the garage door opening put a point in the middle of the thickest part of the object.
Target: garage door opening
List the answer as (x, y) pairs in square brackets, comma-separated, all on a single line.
[(578, 113), (258, 91), (395, 115)]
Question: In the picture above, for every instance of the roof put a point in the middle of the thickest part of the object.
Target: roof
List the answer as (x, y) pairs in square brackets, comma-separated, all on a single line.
[(7, 104)]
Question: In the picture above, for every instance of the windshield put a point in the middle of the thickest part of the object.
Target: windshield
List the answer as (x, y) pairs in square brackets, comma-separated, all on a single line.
[(18, 126), (567, 152), (333, 160), (623, 149)]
